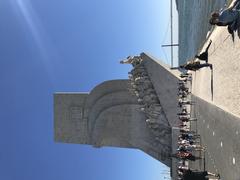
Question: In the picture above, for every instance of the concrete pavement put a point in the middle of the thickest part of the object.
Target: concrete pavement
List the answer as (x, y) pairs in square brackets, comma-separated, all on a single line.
[(224, 54), (220, 134)]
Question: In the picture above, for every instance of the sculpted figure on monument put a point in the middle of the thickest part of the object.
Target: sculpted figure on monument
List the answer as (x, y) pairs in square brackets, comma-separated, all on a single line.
[(161, 131), (165, 154), (151, 115), (149, 91), (146, 86), (135, 60), (142, 87), (158, 120), (151, 99), (142, 79), (151, 121), (148, 99), (161, 141), (136, 72), (153, 126), (154, 116), (139, 94), (155, 108), (152, 108), (139, 74)]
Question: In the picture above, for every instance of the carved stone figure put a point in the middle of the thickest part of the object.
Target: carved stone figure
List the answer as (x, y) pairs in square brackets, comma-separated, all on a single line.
[(135, 60)]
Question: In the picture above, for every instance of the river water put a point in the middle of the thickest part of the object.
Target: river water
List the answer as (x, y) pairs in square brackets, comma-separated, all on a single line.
[(193, 25)]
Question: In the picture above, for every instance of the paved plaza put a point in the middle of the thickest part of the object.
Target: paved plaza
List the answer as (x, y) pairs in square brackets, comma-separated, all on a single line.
[(220, 134)]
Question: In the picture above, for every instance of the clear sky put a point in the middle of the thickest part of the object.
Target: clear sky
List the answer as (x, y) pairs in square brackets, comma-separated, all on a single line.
[(69, 45)]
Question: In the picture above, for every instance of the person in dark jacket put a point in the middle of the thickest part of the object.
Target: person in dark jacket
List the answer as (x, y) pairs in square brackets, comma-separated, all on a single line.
[(204, 56), (198, 175), (227, 17), (195, 65)]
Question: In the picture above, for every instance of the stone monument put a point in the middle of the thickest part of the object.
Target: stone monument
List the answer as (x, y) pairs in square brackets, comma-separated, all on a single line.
[(136, 113)]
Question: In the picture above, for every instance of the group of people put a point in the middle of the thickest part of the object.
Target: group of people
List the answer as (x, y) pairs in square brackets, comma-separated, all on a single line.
[(185, 173), (229, 17), (194, 65), (188, 140), (142, 88)]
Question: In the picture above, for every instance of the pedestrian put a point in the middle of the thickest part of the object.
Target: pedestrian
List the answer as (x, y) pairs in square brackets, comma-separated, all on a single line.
[(184, 130), (195, 65), (184, 102), (183, 88), (227, 17), (183, 93), (183, 113), (185, 74), (204, 56), (187, 141), (191, 148), (186, 118), (189, 136), (198, 175), (187, 156)]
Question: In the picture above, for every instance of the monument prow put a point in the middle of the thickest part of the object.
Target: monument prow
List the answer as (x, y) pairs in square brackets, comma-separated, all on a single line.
[(112, 115)]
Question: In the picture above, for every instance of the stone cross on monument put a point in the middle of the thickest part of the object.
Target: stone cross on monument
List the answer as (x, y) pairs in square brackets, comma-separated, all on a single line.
[(137, 113)]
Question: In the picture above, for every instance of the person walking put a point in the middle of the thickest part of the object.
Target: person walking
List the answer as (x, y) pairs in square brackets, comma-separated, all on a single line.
[(227, 17), (204, 56)]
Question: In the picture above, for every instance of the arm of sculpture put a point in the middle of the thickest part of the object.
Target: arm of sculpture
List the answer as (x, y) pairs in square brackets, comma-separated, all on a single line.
[(127, 61)]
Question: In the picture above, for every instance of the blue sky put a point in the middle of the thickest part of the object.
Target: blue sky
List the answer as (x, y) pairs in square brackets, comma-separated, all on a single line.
[(69, 45)]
